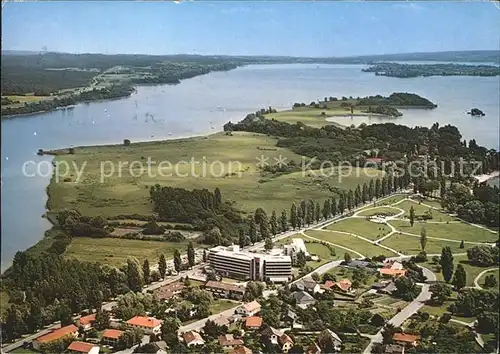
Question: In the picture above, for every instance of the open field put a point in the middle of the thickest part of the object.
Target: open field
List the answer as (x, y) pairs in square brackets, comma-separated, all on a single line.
[(385, 210), (421, 209), (361, 227), (453, 231), (365, 248), (220, 305), (310, 116), (411, 245), (223, 154), (115, 251)]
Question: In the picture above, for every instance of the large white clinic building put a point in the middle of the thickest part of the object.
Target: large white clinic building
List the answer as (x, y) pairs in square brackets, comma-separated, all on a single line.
[(235, 263), (295, 247)]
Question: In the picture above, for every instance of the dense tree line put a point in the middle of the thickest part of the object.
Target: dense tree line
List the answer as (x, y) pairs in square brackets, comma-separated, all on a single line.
[(397, 99), (76, 224), (416, 70)]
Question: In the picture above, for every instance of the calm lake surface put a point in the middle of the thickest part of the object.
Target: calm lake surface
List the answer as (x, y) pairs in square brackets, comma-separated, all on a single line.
[(204, 104)]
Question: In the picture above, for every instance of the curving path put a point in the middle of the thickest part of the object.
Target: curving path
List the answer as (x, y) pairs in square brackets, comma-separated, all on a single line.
[(476, 280)]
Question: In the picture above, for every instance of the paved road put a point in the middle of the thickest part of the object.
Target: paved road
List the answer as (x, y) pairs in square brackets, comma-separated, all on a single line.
[(201, 323)]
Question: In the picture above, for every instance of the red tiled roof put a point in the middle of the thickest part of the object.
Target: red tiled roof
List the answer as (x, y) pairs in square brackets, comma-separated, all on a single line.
[(167, 291), (81, 347), (285, 339), (407, 338), (253, 322), (224, 286), (58, 333), (328, 284), (112, 333), (191, 336), (393, 272), (229, 340), (344, 284), (241, 350), (85, 320), (142, 321)]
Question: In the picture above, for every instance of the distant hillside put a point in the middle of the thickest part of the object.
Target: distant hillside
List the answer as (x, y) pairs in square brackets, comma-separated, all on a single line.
[(492, 56)]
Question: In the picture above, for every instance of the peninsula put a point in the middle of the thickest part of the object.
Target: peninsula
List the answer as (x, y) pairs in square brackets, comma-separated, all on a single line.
[(416, 70)]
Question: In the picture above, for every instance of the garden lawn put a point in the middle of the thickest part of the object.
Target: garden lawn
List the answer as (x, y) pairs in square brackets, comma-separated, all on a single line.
[(386, 202), (410, 245), (453, 231), (421, 209), (361, 227), (115, 251), (383, 210), (365, 248), (310, 116), (495, 273), (220, 305)]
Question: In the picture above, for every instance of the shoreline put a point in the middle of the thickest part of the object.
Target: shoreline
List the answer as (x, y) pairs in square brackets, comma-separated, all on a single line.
[(486, 177)]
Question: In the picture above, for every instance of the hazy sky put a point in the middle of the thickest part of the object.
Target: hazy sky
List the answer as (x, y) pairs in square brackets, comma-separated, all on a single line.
[(251, 28)]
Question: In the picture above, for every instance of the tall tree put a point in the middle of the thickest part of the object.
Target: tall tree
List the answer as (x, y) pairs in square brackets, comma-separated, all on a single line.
[(301, 259), (385, 186), (460, 277), (310, 212), (293, 216), (378, 188), (217, 198), (260, 216), (423, 238), (302, 209), (364, 193), (242, 238), (412, 216), (162, 266), (371, 190), (317, 212), (264, 229), (333, 207), (268, 245), (177, 260), (347, 257), (191, 254), (274, 224), (357, 196), (446, 263), (252, 230), (350, 200), (146, 271), (102, 320), (283, 221), (326, 209), (135, 279), (341, 206)]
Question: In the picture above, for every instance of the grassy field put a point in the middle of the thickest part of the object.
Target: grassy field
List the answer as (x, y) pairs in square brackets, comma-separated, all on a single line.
[(472, 271), (115, 251), (453, 231), (361, 227), (220, 305), (495, 273), (125, 194), (309, 116), (411, 245), (421, 209), (316, 248), (27, 99), (365, 248), (386, 210)]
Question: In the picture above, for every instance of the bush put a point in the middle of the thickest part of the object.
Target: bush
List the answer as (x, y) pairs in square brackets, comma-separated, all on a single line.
[(126, 142)]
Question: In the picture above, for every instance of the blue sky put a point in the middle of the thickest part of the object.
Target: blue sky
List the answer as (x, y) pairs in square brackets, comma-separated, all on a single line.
[(250, 28)]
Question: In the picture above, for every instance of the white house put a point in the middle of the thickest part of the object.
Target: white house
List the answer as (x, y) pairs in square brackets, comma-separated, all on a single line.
[(248, 309), (192, 338)]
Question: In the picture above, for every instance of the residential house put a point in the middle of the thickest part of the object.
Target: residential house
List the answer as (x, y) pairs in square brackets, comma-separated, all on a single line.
[(329, 336), (222, 321), (278, 338), (86, 321), (111, 337), (241, 350), (303, 299), (290, 318), (392, 273), (248, 309), (228, 291), (286, 343), (82, 347), (385, 287), (394, 349), (228, 341), (344, 286), (192, 338), (253, 322), (307, 284), (393, 265), (70, 330), (168, 291), (149, 325), (374, 160), (406, 339)]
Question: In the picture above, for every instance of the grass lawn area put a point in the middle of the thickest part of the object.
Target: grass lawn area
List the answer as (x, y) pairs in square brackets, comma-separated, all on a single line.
[(361, 227), (453, 231), (411, 245), (472, 271), (219, 153), (311, 116), (115, 251), (220, 305), (347, 273), (391, 301), (384, 210), (421, 209), (495, 273), (365, 248), (316, 248), (386, 202), (435, 203), (24, 350), (490, 339)]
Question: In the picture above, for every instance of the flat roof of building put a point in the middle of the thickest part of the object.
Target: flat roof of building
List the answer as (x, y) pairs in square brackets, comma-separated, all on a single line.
[(248, 256)]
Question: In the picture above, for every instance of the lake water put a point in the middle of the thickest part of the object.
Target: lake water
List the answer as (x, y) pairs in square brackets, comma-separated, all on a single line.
[(202, 105)]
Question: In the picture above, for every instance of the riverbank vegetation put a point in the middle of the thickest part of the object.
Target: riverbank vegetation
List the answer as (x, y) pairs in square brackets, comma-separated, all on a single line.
[(416, 70)]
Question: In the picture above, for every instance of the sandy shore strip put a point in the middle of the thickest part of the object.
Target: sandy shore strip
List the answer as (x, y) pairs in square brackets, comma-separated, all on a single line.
[(486, 177)]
